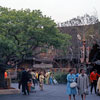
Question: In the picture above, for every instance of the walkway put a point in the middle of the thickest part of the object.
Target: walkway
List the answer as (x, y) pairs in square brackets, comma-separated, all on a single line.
[(53, 92)]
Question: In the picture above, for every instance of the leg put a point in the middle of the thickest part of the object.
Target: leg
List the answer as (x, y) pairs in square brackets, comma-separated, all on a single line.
[(23, 88), (27, 88), (34, 82), (42, 87), (91, 87), (95, 86), (19, 84), (74, 97), (50, 81), (82, 96), (69, 97)]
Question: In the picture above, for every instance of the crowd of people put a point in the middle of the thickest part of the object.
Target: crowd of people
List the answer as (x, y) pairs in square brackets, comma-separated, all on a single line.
[(79, 83), (28, 78)]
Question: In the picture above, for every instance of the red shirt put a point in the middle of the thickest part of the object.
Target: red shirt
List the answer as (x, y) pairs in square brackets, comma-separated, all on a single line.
[(93, 76), (5, 74)]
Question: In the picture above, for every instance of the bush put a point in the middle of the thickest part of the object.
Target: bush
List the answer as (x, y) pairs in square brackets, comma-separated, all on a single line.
[(61, 77)]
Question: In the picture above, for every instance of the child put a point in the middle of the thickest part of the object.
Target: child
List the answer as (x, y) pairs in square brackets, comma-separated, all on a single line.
[(29, 85), (51, 79), (41, 81)]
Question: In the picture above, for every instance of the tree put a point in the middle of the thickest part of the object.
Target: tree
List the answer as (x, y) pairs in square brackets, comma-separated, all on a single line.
[(23, 31), (81, 20)]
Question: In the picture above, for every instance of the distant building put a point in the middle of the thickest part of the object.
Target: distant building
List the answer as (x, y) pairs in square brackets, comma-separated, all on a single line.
[(75, 50)]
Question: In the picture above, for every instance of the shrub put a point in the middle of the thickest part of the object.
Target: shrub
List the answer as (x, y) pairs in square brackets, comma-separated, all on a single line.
[(61, 77)]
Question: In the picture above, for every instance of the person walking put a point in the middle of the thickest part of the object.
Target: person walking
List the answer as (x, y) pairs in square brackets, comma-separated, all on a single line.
[(41, 81), (51, 79), (83, 84), (24, 80), (47, 76), (33, 77), (70, 79), (36, 74), (93, 79)]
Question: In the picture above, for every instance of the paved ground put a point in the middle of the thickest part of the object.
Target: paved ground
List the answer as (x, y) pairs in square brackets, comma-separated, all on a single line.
[(53, 92)]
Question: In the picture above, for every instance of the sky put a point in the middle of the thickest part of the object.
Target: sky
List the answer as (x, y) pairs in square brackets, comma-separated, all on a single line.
[(58, 10)]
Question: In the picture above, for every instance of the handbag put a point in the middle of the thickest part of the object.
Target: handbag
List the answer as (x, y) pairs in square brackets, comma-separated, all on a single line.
[(55, 82), (73, 84), (86, 92)]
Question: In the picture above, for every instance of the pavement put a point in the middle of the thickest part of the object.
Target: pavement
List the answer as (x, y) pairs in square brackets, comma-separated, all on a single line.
[(51, 92)]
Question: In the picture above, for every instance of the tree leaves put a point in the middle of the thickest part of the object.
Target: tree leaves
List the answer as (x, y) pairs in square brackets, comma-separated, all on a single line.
[(23, 31)]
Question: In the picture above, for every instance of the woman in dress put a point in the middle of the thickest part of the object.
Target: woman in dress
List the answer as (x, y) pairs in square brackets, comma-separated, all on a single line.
[(83, 84), (41, 81), (71, 78)]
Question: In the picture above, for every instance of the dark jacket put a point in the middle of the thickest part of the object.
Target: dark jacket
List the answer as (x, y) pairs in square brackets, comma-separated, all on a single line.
[(25, 77)]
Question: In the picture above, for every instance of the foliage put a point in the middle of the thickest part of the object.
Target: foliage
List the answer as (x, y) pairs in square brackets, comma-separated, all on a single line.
[(81, 20), (86, 26), (61, 77), (23, 31)]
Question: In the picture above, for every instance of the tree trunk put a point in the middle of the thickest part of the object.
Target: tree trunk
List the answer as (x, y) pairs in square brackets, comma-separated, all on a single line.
[(2, 80)]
